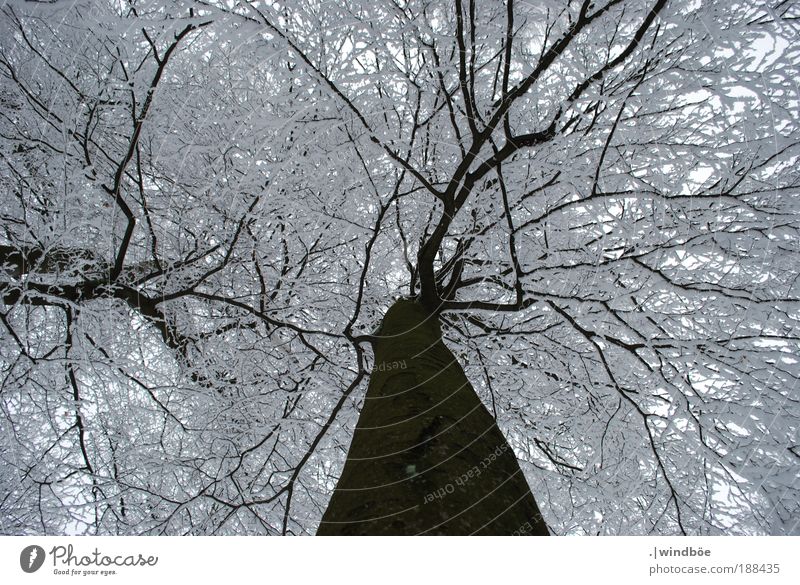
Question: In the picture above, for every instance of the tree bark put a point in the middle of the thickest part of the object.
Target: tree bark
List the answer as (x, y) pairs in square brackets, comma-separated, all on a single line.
[(427, 457)]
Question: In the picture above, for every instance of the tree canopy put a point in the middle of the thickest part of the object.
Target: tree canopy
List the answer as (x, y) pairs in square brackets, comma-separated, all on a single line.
[(207, 207)]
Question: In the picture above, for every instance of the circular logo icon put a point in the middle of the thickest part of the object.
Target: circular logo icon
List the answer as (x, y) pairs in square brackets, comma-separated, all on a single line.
[(31, 558)]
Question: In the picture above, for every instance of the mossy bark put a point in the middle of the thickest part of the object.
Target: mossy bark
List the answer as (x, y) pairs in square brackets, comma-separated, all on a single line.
[(427, 457)]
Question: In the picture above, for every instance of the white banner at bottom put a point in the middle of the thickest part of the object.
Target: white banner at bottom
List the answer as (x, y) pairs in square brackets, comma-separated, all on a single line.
[(233, 560)]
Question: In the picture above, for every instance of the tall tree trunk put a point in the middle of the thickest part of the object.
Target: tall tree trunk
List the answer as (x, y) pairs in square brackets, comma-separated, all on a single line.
[(426, 457)]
